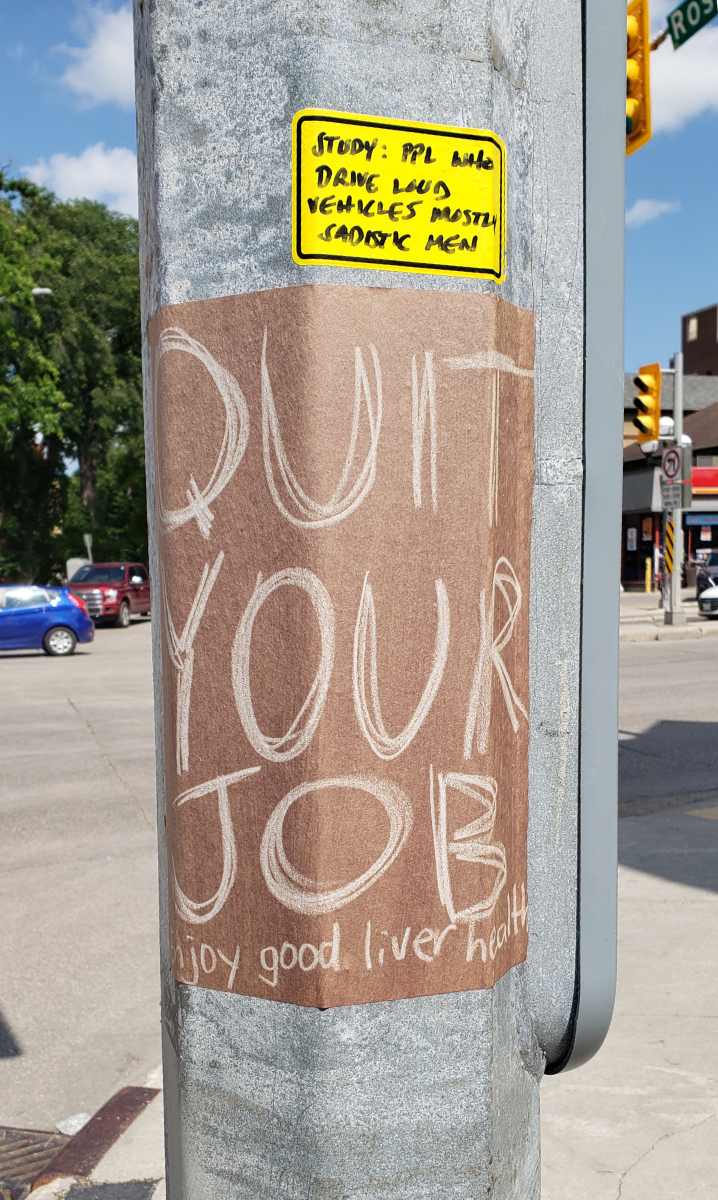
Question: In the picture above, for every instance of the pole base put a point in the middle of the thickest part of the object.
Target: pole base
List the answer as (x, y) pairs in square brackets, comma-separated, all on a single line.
[(674, 618)]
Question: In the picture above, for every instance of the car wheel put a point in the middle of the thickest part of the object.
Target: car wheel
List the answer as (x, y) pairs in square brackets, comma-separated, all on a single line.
[(59, 641), (122, 619)]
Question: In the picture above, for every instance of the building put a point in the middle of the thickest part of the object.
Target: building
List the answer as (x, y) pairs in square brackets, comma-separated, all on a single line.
[(641, 532), (700, 341), (641, 535)]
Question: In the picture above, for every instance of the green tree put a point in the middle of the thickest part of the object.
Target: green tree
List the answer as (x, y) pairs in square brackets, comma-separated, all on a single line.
[(32, 409), (90, 333)]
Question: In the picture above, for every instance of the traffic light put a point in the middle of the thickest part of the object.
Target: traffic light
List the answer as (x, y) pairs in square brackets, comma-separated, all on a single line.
[(638, 92), (648, 402)]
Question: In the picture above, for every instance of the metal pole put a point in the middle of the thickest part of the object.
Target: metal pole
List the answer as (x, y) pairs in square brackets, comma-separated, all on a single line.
[(434, 1092), (675, 615)]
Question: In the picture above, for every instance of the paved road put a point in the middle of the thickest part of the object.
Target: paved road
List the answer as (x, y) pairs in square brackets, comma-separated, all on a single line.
[(668, 723), (79, 989), (640, 1121)]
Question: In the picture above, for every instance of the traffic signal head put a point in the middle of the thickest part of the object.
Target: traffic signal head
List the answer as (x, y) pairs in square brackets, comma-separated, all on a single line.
[(638, 94), (648, 403)]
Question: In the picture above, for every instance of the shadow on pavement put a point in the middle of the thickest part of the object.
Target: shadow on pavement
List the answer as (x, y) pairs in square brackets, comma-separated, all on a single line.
[(9, 1047), (675, 844), (666, 776), (671, 759)]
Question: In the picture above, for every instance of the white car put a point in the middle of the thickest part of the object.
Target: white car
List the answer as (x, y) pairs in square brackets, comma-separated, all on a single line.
[(708, 603)]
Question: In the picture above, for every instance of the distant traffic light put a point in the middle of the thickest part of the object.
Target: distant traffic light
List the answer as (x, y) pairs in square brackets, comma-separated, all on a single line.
[(648, 403), (638, 92)]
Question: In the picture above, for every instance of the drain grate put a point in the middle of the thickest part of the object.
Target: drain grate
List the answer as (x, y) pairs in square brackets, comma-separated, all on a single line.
[(23, 1154)]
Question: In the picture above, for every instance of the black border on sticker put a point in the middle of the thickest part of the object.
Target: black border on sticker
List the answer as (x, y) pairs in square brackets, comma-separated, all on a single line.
[(401, 127)]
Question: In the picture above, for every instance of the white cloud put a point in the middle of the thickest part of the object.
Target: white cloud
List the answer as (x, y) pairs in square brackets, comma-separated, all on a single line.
[(96, 174), (104, 70), (644, 211), (684, 82)]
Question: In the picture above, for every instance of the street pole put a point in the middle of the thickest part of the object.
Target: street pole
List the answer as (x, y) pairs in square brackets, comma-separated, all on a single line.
[(381, 830), (675, 615)]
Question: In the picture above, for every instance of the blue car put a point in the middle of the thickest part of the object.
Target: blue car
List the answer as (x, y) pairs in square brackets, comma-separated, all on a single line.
[(47, 618)]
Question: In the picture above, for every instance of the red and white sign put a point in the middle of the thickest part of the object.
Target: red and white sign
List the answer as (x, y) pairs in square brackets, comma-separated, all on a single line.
[(671, 465)]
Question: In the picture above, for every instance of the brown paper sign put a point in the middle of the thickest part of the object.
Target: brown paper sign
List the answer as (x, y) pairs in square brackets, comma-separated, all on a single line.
[(344, 513)]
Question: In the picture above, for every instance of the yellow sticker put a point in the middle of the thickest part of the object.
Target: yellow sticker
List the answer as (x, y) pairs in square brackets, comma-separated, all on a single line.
[(398, 195)]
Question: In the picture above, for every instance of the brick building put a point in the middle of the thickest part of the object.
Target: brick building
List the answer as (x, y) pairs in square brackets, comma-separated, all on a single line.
[(699, 341)]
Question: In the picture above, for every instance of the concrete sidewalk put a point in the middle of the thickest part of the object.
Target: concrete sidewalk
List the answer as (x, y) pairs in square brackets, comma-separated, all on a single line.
[(640, 1121)]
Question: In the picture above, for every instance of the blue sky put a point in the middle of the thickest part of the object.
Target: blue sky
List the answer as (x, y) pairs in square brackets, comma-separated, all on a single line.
[(671, 190), (66, 99)]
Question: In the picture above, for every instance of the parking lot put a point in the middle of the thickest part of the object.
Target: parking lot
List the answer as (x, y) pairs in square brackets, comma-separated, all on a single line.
[(79, 989)]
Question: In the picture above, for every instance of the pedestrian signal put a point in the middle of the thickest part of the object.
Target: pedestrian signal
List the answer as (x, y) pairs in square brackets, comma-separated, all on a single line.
[(648, 403), (638, 92)]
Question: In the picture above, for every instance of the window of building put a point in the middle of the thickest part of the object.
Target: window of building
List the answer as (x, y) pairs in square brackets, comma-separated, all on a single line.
[(692, 329)]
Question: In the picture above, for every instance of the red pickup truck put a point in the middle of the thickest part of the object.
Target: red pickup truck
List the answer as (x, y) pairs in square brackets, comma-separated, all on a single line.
[(113, 591)]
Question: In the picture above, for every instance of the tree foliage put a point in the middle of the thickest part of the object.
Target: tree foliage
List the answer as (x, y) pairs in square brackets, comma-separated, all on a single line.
[(77, 356), (32, 408)]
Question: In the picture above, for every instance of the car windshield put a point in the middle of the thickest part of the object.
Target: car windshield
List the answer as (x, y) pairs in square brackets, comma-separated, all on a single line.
[(712, 560), (99, 575)]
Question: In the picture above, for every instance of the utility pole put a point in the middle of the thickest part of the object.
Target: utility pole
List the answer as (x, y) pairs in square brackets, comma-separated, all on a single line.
[(382, 271), (674, 614)]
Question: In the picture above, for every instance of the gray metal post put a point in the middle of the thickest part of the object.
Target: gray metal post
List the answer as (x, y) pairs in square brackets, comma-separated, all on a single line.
[(432, 1095), (675, 614)]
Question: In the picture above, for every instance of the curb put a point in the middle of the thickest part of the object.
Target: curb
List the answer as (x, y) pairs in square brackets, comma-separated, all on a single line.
[(659, 804), (648, 632), (83, 1152)]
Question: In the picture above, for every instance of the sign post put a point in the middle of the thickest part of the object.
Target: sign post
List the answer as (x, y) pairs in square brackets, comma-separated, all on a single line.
[(672, 489), (383, 386)]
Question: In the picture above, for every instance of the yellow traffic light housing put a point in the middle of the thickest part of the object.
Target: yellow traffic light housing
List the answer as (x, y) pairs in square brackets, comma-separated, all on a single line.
[(638, 91), (648, 403)]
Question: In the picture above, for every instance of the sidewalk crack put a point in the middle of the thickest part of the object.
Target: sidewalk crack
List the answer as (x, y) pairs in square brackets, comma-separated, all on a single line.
[(108, 760), (664, 1137)]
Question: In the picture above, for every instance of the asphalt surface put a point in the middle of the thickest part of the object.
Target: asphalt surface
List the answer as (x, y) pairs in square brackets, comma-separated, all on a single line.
[(668, 727), (79, 987)]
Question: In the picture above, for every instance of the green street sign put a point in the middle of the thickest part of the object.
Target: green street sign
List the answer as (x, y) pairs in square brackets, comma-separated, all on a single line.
[(688, 18)]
